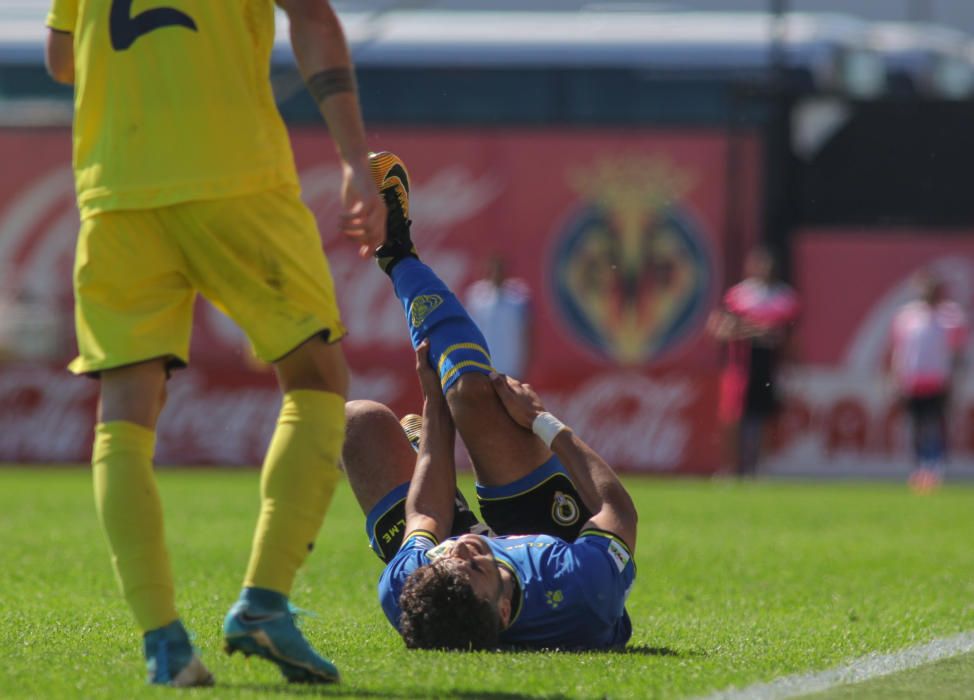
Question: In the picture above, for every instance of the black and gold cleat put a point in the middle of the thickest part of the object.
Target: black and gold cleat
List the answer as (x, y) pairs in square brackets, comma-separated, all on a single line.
[(393, 182)]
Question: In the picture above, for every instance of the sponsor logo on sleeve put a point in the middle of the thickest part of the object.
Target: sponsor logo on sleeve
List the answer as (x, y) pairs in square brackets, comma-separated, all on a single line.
[(619, 555)]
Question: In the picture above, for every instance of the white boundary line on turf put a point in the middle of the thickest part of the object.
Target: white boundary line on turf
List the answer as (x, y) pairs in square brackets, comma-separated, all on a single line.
[(871, 666)]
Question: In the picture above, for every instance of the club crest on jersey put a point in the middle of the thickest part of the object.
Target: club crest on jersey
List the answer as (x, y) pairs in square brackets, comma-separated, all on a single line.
[(564, 509), (631, 268), (422, 307), (554, 598)]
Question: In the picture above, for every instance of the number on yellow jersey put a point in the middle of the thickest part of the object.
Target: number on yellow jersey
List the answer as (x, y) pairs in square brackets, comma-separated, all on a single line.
[(125, 28)]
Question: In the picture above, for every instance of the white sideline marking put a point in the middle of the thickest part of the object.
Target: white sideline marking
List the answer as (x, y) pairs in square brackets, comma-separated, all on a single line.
[(873, 665)]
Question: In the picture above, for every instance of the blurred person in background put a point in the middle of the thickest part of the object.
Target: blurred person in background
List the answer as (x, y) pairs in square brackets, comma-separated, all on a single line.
[(926, 348), (186, 184), (32, 328), (501, 308), (754, 323)]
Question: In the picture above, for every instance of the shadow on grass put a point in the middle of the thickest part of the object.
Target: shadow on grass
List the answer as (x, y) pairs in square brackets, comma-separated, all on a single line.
[(634, 650), (645, 650), (338, 691)]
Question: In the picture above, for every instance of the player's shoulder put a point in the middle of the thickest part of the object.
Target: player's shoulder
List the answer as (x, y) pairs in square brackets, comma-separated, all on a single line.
[(608, 545), (783, 290), (741, 295), (480, 289), (951, 311), (909, 311), (517, 289)]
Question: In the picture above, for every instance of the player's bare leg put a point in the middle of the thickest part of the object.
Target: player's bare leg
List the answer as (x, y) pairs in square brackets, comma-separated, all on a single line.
[(377, 456), (135, 393), (315, 366), (298, 479), (501, 450)]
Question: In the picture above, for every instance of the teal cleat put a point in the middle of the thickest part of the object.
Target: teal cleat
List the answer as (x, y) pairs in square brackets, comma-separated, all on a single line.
[(272, 635), (171, 659)]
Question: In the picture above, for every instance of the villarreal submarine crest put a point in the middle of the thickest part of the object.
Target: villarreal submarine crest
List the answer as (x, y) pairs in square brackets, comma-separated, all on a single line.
[(631, 271)]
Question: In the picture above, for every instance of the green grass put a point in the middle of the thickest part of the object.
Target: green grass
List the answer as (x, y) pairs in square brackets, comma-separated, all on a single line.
[(737, 583), (950, 679)]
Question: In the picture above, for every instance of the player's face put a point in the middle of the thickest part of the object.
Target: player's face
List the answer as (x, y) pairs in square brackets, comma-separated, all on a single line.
[(479, 564)]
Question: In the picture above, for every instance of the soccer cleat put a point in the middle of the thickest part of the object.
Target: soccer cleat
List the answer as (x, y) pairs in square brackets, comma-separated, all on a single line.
[(171, 659), (393, 182), (412, 425), (272, 635)]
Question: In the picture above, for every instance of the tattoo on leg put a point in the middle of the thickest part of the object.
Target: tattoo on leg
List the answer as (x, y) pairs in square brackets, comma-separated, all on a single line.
[(331, 82)]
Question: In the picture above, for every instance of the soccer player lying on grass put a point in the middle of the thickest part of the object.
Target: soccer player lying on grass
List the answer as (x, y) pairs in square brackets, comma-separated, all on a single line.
[(446, 584)]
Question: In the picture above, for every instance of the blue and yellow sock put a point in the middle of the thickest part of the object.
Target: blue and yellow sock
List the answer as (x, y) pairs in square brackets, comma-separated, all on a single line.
[(432, 311)]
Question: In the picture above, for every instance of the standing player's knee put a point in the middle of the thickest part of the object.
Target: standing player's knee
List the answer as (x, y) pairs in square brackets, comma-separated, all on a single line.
[(135, 393), (315, 366)]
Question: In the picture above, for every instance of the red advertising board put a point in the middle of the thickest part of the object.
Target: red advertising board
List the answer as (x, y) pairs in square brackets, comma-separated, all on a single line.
[(842, 415), (620, 234)]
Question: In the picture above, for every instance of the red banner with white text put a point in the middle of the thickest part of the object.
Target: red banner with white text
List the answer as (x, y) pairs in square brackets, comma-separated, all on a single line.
[(842, 415), (621, 236)]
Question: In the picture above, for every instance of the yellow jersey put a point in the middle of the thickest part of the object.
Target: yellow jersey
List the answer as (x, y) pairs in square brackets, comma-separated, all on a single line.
[(172, 101)]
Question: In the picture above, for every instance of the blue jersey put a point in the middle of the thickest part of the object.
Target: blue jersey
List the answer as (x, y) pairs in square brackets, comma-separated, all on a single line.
[(568, 595)]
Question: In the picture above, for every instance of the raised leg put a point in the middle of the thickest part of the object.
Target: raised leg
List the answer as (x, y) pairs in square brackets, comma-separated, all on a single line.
[(501, 450)]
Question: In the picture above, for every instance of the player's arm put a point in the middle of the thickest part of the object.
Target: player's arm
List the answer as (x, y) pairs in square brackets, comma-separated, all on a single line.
[(724, 326), (59, 50), (59, 56), (429, 502), (600, 489), (322, 55)]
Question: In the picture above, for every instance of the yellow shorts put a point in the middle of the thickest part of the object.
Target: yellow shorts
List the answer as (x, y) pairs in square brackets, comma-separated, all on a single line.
[(258, 258)]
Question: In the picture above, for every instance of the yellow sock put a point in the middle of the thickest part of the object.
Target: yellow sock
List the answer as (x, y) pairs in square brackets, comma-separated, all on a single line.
[(296, 485), (128, 507)]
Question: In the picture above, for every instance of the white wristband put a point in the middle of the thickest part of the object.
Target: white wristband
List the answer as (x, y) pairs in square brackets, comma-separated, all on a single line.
[(547, 427)]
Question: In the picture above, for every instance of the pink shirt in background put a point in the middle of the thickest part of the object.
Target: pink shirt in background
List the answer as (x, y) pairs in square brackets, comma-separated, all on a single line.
[(761, 304), (925, 341), (766, 307)]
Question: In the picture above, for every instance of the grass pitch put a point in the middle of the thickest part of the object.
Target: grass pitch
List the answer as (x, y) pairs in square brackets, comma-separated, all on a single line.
[(736, 584)]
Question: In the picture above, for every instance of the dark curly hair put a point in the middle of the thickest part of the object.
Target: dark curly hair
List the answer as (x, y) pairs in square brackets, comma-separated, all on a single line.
[(440, 611)]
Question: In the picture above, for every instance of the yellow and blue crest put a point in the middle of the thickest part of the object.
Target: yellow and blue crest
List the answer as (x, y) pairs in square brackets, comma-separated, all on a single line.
[(632, 272), (423, 306), (554, 598)]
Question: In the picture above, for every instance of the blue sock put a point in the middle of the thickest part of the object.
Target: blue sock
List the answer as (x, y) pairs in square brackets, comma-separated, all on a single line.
[(264, 598), (432, 311), (168, 649)]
